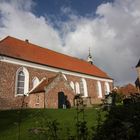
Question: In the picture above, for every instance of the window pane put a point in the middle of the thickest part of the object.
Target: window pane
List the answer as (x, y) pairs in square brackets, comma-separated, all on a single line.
[(20, 83), (20, 91), (20, 78), (21, 73), (81, 88)]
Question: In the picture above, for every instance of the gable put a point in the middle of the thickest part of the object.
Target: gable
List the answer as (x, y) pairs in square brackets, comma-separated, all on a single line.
[(48, 84), (59, 79)]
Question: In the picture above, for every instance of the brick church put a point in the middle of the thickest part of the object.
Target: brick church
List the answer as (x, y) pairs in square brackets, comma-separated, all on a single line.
[(36, 77)]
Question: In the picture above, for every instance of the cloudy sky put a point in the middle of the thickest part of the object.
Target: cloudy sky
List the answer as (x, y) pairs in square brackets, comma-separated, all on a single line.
[(111, 28)]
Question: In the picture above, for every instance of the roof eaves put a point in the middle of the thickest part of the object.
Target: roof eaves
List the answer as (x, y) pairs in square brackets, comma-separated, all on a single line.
[(57, 67)]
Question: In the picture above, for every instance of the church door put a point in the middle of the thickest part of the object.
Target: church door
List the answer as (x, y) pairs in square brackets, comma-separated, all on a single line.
[(61, 100)]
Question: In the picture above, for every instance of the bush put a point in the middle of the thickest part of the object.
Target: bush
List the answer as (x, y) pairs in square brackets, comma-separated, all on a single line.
[(122, 123)]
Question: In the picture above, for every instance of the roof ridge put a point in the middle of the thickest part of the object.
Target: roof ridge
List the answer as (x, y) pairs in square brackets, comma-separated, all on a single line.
[(43, 48), (14, 47)]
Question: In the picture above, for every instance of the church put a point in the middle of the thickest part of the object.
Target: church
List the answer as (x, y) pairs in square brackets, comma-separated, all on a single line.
[(37, 77)]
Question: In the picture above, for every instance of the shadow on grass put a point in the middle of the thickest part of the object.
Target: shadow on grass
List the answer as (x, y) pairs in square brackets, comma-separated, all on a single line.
[(11, 118)]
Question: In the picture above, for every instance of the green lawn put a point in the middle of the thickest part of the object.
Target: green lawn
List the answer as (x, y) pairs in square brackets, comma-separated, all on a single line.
[(36, 118)]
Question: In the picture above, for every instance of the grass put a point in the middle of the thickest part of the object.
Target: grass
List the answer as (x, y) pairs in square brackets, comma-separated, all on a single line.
[(31, 118)]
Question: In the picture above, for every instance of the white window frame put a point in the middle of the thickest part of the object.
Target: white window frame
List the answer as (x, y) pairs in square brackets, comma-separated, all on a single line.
[(84, 87), (99, 86), (26, 81), (107, 88), (72, 85), (77, 86)]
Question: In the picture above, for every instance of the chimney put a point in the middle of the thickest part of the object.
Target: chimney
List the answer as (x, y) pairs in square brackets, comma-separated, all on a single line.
[(26, 40)]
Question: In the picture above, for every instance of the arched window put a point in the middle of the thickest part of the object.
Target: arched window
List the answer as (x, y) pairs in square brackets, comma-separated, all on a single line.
[(99, 89), (72, 85), (77, 88), (83, 87), (22, 81), (107, 88), (35, 82)]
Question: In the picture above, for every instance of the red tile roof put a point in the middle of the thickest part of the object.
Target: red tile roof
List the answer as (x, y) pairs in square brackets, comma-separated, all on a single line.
[(24, 50), (128, 89)]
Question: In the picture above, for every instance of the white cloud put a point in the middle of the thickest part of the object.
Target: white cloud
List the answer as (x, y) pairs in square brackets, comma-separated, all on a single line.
[(113, 35), (21, 23)]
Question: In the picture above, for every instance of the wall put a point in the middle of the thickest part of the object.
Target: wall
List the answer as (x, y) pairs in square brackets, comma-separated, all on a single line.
[(33, 103), (52, 95), (8, 100)]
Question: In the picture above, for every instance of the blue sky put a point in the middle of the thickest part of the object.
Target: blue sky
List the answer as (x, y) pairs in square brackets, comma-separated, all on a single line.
[(111, 28), (53, 10), (80, 7)]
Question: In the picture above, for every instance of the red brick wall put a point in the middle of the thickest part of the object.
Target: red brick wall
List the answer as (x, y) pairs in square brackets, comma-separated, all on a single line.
[(33, 103), (52, 95), (8, 100), (7, 86)]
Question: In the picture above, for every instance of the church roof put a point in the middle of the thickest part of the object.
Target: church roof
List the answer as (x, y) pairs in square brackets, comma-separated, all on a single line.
[(128, 89), (138, 65), (24, 50)]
